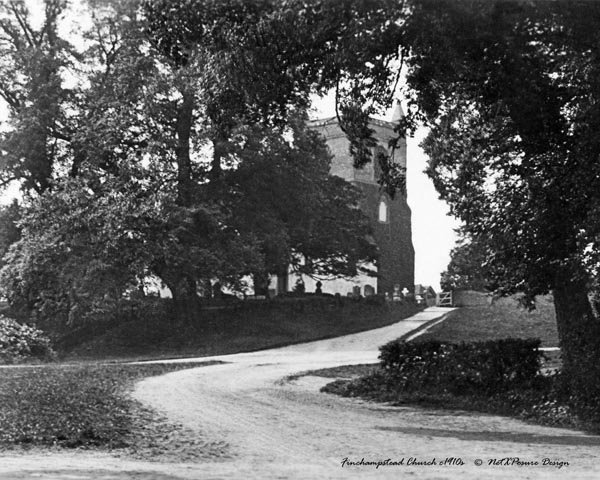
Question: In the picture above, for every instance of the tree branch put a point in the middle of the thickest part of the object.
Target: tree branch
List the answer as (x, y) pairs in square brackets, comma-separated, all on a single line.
[(15, 38), (22, 22), (52, 11), (10, 97), (57, 134), (337, 102)]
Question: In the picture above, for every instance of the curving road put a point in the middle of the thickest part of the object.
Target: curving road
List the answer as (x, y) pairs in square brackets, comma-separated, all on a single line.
[(271, 428), (287, 429)]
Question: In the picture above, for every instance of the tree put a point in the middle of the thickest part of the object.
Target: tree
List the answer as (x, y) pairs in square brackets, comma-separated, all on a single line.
[(281, 194), (123, 116), (467, 268), (257, 62), (31, 86), (78, 249), (81, 250), (156, 96), (512, 102)]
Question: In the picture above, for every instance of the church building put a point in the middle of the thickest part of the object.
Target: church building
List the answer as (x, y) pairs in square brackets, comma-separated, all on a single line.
[(391, 218)]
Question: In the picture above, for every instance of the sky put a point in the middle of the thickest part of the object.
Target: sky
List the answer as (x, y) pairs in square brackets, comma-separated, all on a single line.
[(433, 230)]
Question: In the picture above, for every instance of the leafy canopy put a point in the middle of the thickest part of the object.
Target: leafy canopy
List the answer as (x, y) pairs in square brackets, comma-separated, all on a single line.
[(513, 147), (180, 149)]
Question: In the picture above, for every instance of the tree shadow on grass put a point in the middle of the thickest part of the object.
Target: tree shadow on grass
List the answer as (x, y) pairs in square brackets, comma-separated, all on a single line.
[(488, 436)]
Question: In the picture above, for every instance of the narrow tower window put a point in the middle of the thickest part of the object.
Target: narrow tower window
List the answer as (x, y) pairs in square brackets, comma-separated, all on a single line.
[(383, 211)]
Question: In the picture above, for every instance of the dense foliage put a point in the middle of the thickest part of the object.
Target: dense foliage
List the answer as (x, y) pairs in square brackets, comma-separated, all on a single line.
[(478, 367), (468, 268), (265, 57), (283, 196), (512, 103), (177, 147), (9, 230), (22, 343)]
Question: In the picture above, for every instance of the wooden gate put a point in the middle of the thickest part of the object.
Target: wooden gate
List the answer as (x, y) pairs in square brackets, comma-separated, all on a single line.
[(445, 299)]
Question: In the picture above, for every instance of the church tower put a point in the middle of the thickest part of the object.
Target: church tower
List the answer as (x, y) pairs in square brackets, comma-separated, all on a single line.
[(390, 218)]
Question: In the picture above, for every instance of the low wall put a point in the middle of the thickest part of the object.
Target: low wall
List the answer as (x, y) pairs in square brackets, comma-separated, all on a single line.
[(470, 298)]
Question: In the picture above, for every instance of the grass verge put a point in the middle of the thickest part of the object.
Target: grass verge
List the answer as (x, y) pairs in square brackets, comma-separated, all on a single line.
[(504, 319), (248, 328), (84, 406)]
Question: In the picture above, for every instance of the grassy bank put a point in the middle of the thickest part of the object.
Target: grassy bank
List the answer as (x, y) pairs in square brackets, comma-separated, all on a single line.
[(81, 406), (505, 318), (247, 327)]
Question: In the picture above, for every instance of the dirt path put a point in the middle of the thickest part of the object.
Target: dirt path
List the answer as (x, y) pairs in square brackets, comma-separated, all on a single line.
[(277, 429)]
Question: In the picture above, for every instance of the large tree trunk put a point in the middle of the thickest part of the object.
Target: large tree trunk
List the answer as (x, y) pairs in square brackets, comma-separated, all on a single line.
[(184, 287), (579, 336), (261, 283), (185, 119), (185, 299)]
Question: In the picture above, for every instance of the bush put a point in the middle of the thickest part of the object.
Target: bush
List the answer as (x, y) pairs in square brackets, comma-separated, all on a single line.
[(21, 342), (478, 367)]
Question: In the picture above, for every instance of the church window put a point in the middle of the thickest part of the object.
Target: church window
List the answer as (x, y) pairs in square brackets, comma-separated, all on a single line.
[(383, 211)]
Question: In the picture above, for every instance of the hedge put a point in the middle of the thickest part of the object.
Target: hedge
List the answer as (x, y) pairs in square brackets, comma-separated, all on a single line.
[(478, 367)]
